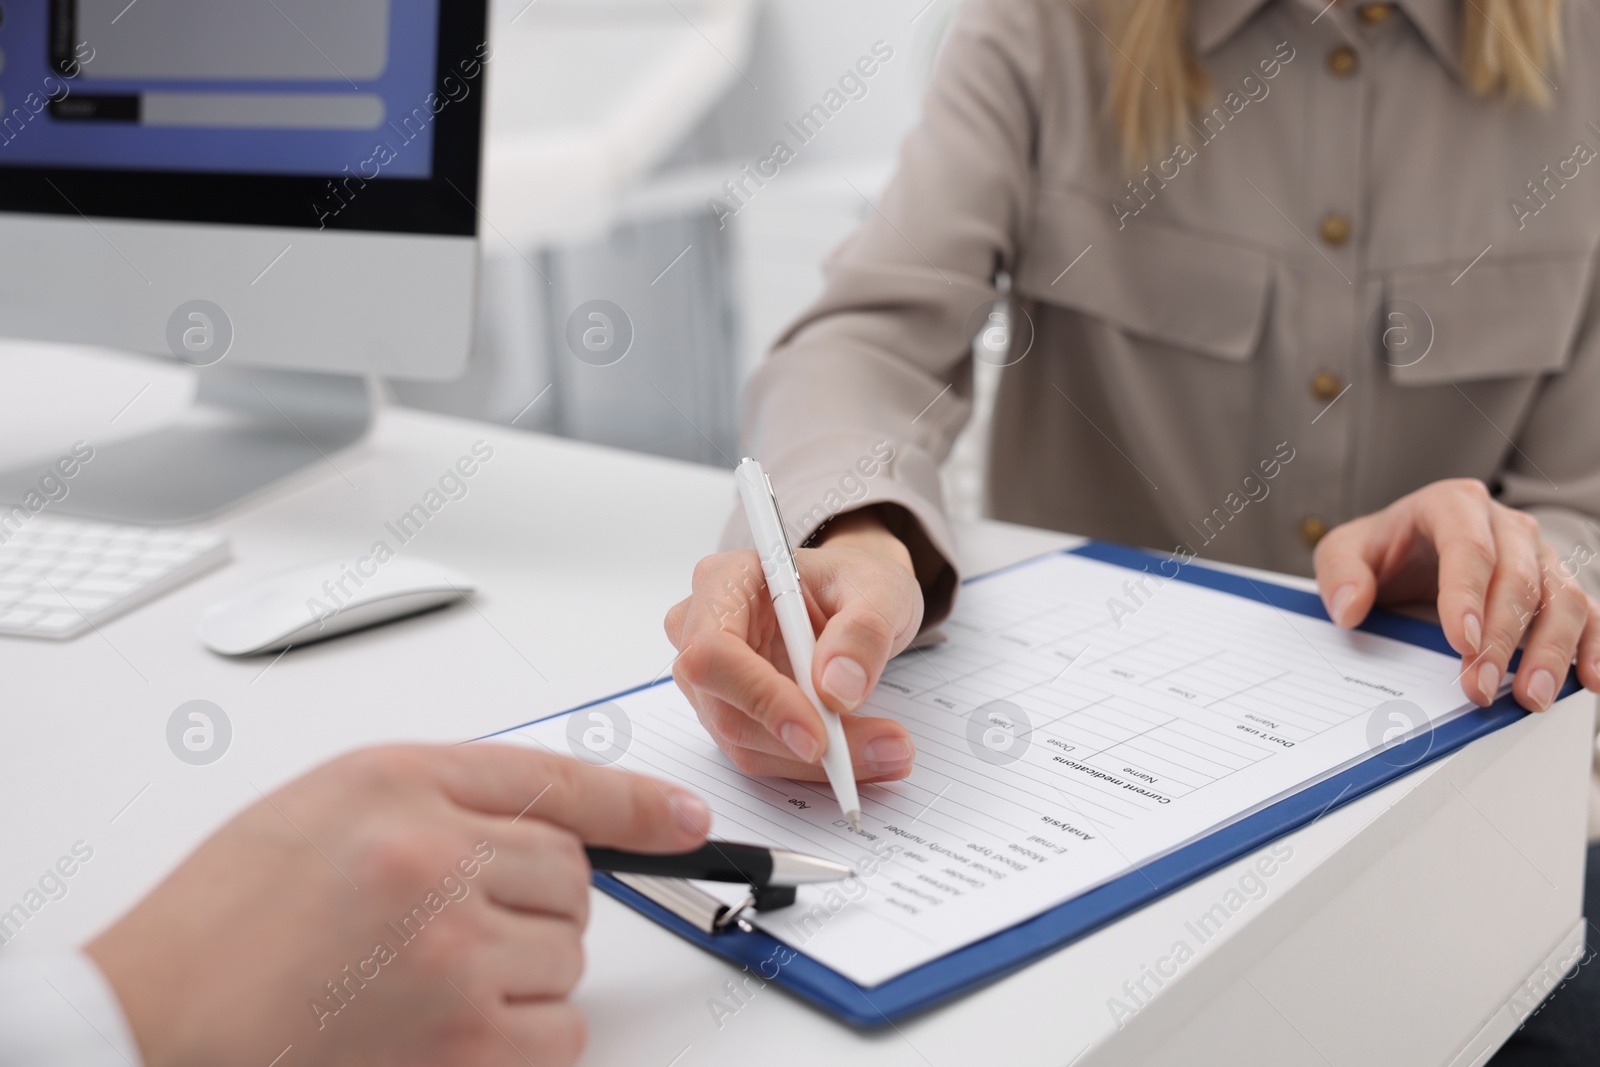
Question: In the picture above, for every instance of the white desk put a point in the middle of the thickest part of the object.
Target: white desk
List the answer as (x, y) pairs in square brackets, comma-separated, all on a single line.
[(1397, 934)]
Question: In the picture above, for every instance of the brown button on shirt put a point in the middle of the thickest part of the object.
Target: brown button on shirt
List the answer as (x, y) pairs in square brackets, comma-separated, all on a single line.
[(1156, 390), (1335, 229), (1326, 386), (1342, 61)]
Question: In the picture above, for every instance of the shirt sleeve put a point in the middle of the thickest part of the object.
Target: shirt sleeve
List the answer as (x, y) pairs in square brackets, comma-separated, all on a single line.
[(1553, 470), (58, 1010), (881, 364), (1553, 473)]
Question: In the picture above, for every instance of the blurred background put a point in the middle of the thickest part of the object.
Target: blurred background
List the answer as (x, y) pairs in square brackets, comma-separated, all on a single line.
[(626, 151)]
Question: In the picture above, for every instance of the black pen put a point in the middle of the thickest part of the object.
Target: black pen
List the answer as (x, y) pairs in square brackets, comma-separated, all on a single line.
[(724, 861)]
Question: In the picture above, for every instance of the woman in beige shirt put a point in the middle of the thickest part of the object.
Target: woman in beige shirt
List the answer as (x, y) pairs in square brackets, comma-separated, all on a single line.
[(1298, 284)]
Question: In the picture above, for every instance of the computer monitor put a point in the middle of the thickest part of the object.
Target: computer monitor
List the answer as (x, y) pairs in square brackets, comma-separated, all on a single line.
[(281, 192)]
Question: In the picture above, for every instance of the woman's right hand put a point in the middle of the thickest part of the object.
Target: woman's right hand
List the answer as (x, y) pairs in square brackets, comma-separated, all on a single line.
[(866, 605)]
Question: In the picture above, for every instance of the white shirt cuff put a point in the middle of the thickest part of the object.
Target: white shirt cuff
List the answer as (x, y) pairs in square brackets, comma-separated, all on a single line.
[(58, 1010)]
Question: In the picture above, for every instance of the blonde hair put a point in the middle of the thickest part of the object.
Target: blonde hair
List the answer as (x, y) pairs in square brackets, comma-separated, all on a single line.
[(1508, 49)]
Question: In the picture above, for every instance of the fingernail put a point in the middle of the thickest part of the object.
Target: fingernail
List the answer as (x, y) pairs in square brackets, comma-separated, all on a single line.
[(1488, 680), (1341, 601), (1472, 629), (845, 681), (800, 742), (1542, 688), (694, 818), (888, 755)]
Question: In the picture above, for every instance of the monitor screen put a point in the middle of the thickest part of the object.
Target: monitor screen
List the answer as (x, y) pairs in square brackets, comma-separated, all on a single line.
[(358, 114)]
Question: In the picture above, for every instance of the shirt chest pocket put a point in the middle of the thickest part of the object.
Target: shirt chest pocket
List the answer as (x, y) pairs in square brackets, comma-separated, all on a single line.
[(1500, 318), (1154, 282)]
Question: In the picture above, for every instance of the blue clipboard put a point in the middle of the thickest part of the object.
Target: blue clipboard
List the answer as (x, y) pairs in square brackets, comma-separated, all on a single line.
[(995, 956)]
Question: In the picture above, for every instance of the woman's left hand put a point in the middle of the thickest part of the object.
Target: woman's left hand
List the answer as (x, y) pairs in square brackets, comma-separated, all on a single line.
[(1496, 580)]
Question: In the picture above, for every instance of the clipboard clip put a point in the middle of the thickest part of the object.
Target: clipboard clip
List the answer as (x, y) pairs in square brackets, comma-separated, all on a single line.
[(702, 910)]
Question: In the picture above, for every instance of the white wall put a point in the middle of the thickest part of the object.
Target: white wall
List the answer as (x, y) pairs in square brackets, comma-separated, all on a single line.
[(782, 232), (802, 47), (775, 244)]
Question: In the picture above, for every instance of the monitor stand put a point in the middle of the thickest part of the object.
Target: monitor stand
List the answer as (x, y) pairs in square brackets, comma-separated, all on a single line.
[(248, 429)]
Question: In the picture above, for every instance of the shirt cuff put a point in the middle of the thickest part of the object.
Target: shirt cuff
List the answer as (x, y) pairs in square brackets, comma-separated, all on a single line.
[(58, 1010), (1574, 537), (848, 472)]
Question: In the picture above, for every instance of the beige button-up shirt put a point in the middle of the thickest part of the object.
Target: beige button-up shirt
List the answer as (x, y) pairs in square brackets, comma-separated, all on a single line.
[(1347, 279)]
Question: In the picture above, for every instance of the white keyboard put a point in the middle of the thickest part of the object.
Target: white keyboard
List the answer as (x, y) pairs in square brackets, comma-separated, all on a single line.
[(60, 577)]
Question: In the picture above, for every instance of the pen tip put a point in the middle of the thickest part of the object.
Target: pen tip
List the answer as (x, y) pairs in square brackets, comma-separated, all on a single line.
[(855, 820)]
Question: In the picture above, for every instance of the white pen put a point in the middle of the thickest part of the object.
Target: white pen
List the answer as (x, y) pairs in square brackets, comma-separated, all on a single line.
[(794, 622)]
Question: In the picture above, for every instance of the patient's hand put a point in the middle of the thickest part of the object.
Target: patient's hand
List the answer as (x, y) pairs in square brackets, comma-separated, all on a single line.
[(866, 605), (403, 905), (1497, 582)]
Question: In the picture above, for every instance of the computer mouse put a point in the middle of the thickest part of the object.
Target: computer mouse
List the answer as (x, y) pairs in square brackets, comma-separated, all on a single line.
[(324, 600)]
